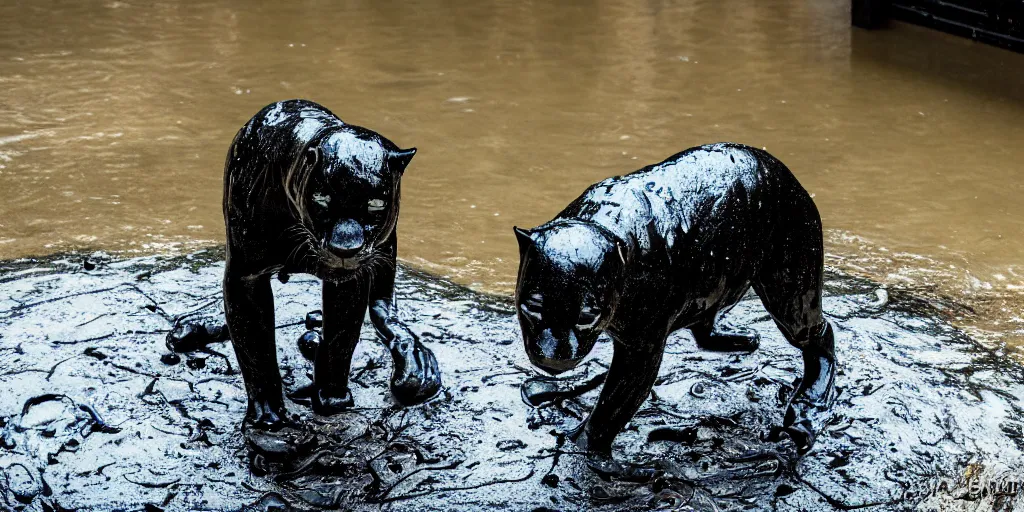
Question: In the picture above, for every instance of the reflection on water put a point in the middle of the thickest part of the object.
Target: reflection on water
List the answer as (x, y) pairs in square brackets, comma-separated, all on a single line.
[(115, 118)]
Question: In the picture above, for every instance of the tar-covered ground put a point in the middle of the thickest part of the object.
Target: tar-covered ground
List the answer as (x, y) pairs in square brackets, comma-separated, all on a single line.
[(93, 418)]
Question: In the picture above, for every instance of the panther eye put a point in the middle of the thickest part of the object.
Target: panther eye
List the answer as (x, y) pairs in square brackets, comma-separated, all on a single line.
[(321, 199), (588, 319), (375, 205), (532, 306)]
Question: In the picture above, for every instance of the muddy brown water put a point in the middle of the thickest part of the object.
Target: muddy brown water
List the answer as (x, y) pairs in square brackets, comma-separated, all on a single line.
[(115, 117)]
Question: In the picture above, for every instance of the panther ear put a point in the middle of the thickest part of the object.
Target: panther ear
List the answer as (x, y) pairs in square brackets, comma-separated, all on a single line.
[(525, 240), (399, 160)]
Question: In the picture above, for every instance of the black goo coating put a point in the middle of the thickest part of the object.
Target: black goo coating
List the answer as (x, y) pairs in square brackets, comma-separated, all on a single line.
[(668, 247), (306, 193)]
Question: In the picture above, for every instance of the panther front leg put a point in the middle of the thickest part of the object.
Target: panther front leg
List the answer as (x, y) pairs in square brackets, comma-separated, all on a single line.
[(635, 364), (249, 308), (415, 377), (344, 306)]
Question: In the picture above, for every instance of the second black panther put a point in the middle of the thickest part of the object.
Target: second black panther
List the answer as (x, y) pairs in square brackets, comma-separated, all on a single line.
[(672, 246)]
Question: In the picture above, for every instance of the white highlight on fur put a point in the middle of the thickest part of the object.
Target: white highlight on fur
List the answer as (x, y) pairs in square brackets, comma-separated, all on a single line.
[(532, 306), (321, 199), (375, 205), (525, 308), (591, 324)]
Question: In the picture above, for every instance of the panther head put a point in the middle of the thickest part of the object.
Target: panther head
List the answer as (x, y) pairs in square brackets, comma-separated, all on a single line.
[(345, 190), (567, 290)]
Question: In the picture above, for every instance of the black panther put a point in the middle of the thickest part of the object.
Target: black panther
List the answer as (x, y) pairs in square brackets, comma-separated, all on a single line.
[(673, 246), (306, 193)]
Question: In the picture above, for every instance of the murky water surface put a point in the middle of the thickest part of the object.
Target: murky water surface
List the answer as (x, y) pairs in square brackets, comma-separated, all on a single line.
[(115, 118)]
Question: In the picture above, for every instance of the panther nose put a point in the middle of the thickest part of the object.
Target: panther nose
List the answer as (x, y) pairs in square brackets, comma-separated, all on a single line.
[(553, 366), (346, 239), (555, 354)]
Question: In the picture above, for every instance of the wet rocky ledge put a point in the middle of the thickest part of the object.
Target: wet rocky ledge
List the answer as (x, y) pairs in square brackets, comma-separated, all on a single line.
[(93, 418)]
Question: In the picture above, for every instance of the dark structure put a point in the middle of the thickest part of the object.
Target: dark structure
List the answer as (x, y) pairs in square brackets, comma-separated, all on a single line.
[(306, 193), (669, 247), (996, 22)]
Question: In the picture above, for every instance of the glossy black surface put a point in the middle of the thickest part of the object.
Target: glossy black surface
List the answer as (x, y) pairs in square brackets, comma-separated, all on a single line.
[(306, 193), (671, 247)]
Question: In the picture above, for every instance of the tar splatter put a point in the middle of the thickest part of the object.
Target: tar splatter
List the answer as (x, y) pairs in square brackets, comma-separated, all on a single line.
[(95, 415)]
